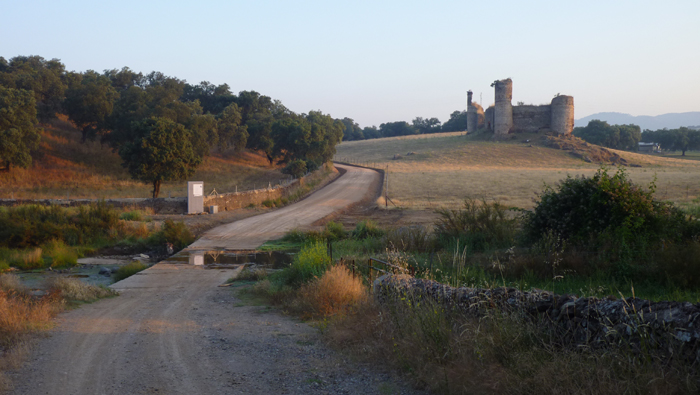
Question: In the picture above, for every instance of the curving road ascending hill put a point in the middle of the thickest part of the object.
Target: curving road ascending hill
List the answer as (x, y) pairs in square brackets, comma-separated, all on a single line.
[(252, 232), (173, 331)]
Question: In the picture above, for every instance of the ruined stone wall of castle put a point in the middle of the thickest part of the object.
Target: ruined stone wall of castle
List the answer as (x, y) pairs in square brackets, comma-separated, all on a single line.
[(531, 119), (562, 114), (488, 117), (503, 115), (475, 117)]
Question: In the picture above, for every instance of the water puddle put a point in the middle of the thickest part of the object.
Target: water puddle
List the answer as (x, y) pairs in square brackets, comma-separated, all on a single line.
[(222, 259), (36, 281), (99, 271)]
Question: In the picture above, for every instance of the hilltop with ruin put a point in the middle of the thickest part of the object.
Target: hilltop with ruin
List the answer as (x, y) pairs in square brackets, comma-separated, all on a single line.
[(503, 118)]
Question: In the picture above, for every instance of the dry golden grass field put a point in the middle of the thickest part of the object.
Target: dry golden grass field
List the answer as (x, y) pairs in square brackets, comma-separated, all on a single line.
[(63, 166), (446, 168)]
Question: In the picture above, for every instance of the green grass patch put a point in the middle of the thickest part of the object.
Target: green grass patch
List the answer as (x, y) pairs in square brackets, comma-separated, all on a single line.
[(129, 270)]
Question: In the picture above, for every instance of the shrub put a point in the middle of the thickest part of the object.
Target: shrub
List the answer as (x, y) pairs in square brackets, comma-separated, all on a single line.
[(11, 284), (59, 254), (333, 293), (334, 231), (134, 215), (301, 237), (268, 203), (580, 208), (366, 229), (128, 270), (409, 238), (75, 290), (479, 226), (33, 225), (172, 232), (27, 259), (617, 219), (297, 168), (20, 315), (311, 262)]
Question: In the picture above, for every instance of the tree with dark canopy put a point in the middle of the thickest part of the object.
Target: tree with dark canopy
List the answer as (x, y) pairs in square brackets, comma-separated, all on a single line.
[(162, 153), (18, 132), (89, 102), (44, 78)]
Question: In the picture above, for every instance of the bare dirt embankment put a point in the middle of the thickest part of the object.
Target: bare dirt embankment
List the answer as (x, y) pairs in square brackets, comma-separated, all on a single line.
[(174, 331)]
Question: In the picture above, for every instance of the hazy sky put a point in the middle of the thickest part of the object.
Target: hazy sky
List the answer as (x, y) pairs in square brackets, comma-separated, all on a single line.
[(381, 61)]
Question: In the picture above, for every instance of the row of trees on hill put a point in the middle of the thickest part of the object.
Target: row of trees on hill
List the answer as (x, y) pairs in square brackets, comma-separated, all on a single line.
[(622, 137), (353, 131), (628, 137), (161, 126)]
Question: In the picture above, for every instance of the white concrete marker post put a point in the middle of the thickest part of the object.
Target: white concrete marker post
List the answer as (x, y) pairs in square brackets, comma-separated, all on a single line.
[(195, 197)]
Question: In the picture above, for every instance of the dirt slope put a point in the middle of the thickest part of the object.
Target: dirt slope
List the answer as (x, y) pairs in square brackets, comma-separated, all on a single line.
[(173, 331)]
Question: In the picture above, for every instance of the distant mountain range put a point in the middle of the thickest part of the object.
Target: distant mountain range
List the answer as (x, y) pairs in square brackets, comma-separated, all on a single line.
[(670, 121)]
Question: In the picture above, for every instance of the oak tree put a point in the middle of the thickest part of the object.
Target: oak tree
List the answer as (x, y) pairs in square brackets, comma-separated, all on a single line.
[(162, 153)]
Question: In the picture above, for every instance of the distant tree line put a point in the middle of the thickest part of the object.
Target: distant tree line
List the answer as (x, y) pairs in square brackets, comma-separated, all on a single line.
[(162, 127), (622, 137), (628, 137), (682, 139), (353, 131)]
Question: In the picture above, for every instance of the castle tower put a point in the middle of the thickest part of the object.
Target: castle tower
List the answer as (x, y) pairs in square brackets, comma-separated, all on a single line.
[(472, 115), (562, 115), (503, 112)]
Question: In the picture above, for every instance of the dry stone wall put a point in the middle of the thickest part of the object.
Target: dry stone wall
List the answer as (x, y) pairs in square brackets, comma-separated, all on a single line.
[(227, 201), (669, 327)]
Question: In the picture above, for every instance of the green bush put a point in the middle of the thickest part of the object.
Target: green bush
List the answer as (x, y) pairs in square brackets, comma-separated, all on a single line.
[(479, 226), (129, 270), (24, 259), (59, 254), (33, 225), (367, 229), (334, 231), (268, 203), (297, 168), (581, 209), (134, 215), (172, 232), (301, 237), (311, 262)]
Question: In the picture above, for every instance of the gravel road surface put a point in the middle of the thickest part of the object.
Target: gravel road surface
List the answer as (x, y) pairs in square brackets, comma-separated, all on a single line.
[(352, 187), (172, 330)]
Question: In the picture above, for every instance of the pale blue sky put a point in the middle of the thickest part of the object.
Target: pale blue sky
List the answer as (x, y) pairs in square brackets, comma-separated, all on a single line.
[(382, 61)]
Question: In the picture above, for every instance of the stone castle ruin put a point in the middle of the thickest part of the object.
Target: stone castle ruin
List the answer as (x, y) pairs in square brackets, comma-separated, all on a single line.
[(503, 118)]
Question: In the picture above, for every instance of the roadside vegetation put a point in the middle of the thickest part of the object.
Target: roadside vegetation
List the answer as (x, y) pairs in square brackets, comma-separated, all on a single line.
[(598, 236), (38, 237)]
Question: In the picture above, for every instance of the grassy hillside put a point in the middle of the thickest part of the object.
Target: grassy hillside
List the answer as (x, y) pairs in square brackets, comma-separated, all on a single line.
[(65, 166), (446, 168)]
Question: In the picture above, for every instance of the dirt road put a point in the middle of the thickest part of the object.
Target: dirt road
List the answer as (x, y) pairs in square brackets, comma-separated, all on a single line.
[(250, 233), (173, 331)]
